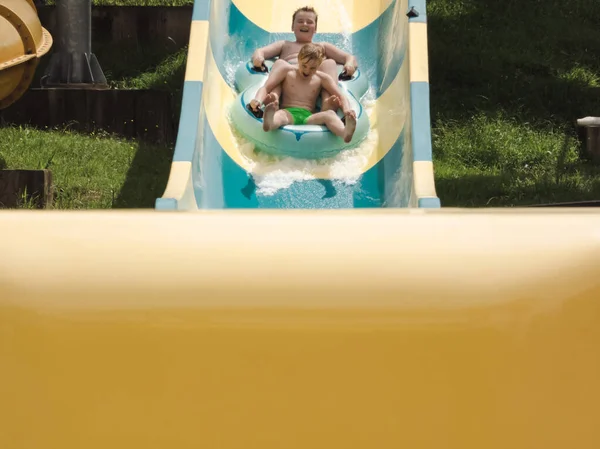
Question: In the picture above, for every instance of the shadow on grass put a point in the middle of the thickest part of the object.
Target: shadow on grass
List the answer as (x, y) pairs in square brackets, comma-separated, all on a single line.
[(502, 190), (471, 190), (153, 65), (150, 65), (2, 163), (538, 61), (147, 177), (535, 63)]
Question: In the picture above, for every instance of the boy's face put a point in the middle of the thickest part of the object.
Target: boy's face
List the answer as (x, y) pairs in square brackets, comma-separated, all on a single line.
[(308, 67), (304, 26)]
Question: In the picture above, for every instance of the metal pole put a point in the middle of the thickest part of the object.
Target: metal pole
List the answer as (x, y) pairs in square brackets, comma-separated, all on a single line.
[(75, 36), (74, 64)]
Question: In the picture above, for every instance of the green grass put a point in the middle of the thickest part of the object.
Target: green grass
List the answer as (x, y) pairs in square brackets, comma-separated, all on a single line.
[(89, 172), (144, 67), (99, 170), (508, 80), (500, 161)]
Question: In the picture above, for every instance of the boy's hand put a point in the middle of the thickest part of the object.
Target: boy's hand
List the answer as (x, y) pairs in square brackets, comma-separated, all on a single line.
[(257, 61), (255, 104), (350, 113), (349, 69)]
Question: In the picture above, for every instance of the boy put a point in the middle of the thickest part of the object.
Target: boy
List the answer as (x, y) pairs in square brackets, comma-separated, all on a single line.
[(300, 87), (304, 26)]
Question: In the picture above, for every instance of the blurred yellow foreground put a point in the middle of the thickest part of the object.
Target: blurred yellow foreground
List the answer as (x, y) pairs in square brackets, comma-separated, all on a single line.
[(285, 329)]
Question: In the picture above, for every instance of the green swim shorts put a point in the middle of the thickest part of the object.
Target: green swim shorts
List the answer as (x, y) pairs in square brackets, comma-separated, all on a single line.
[(300, 115)]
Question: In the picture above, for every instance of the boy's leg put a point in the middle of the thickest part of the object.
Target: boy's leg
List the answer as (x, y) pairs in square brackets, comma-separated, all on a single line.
[(329, 102), (279, 65), (334, 124), (275, 118)]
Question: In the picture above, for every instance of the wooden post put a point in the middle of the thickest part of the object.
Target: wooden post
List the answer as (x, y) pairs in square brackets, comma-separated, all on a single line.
[(589, 133), (25, 188)]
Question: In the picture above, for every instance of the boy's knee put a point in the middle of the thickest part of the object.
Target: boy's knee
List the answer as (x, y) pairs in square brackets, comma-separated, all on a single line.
[(280, 63), (328, 65), (331, 115)]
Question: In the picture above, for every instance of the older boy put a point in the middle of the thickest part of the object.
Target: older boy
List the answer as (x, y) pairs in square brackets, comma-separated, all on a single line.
[(300, 87), (304, 26)]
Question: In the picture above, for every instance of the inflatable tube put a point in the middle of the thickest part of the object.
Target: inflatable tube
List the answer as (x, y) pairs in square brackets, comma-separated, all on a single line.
[(298, 141)]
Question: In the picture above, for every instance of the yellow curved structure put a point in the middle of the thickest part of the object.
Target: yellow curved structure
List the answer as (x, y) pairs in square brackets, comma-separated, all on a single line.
[(382, 329), (23, 41)]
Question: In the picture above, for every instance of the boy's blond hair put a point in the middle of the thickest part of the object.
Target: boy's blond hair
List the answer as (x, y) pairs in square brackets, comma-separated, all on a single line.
[(305, 9), (311, 52)]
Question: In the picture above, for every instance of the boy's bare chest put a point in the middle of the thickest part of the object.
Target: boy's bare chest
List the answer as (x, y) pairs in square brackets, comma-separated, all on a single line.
[(302, 87), (290, 49)]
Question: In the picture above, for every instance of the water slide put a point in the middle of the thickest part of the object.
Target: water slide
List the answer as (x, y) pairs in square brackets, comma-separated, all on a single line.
[(214, 168)]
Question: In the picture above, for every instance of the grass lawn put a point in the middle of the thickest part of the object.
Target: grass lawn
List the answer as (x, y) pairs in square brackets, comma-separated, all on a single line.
[(508, 80), (100, 170), (89, 171)]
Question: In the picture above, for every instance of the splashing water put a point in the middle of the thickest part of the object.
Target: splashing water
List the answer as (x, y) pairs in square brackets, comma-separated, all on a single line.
[(345, 22)]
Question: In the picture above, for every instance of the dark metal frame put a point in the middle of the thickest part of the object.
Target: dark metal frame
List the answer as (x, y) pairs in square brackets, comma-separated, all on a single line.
[(73, 64)]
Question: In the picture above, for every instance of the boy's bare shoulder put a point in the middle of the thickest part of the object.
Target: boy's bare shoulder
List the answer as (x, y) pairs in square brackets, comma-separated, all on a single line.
[(324, 76), (331, 51), (288, 72)]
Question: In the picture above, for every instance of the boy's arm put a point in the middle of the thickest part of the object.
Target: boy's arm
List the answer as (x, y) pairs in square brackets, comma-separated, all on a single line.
[(274, 79), (331, 86), (341, 57), (268, 52)]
